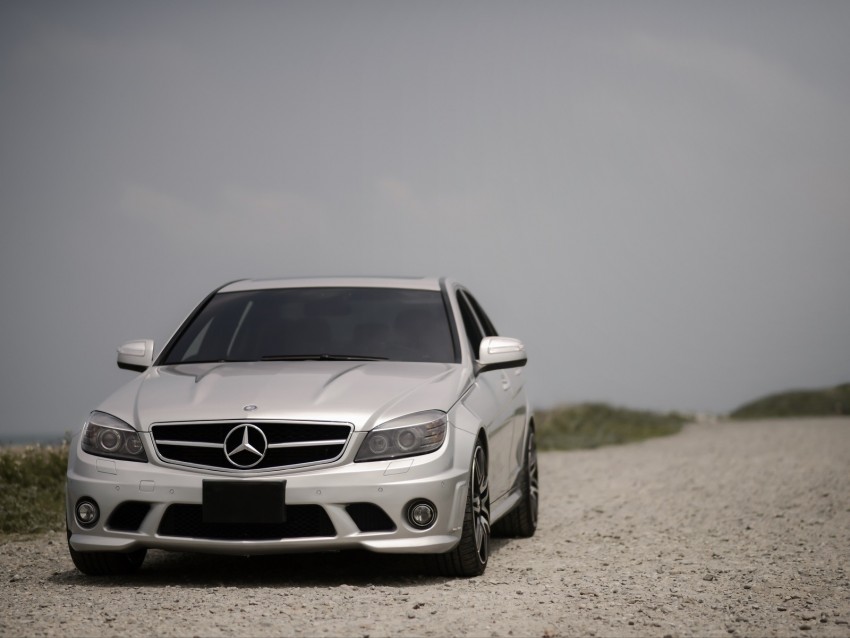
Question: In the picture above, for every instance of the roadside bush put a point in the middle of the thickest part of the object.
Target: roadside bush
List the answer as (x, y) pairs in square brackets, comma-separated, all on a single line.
[(590, 425), (32, 488), (830, 401)]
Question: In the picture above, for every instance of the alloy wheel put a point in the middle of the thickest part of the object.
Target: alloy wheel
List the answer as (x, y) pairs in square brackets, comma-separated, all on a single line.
[(481, 504), (533, 480)]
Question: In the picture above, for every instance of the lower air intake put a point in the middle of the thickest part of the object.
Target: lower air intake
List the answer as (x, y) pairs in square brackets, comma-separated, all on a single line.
[(369, 517), (302, 521), (128, 516)]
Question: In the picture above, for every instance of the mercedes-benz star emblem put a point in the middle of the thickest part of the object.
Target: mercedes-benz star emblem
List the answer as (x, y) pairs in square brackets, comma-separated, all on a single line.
[(245, 445)]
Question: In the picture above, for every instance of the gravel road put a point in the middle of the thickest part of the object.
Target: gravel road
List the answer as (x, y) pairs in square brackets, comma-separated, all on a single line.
[(732, 528)]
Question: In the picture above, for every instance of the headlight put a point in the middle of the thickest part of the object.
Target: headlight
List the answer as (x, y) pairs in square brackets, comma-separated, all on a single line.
[(104, 435), (409, 435)]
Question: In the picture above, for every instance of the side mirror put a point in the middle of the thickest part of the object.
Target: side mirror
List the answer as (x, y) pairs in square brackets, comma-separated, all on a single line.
[(136, 355), (496, 353)]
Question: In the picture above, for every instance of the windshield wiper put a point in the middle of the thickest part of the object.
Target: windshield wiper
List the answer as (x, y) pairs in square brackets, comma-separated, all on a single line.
[(319, 357)]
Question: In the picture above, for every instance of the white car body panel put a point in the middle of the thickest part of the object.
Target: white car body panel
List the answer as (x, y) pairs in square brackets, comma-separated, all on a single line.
[(363, 394), (356, 392)]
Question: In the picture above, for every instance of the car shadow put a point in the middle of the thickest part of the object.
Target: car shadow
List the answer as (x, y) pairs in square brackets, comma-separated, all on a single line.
[(327, 569)]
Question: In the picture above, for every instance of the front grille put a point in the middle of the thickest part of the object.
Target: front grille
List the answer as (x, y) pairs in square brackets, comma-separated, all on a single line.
[(302, 521), (128, 516), (369, 517), (288, 444)]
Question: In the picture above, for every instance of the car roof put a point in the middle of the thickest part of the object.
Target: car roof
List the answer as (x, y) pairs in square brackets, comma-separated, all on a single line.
[(412, 283)]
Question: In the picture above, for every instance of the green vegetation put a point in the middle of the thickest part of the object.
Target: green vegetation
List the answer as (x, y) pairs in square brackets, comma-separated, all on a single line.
[(830, 401), (32, 488), (590, 425)]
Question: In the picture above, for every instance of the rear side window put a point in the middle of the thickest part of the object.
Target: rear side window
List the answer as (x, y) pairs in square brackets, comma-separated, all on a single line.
[(381, 323)]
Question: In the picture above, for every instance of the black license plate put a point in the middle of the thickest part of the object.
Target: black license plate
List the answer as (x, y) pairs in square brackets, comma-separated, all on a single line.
[(244, 502)]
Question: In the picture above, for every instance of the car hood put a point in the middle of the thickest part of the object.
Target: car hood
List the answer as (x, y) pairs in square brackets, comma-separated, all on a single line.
[(357, 392)]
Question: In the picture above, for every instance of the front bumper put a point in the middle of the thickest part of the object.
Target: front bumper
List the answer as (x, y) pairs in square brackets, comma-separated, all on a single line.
[(440, 477)]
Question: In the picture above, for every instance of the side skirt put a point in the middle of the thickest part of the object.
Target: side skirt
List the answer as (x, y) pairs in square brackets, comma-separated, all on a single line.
[(504, 505)]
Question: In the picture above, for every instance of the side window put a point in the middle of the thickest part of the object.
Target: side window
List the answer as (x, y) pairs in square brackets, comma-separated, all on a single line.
[(486, 324), (474, 331)]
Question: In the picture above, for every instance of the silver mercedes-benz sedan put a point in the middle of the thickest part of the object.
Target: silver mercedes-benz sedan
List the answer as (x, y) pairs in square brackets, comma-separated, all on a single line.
[(310, 415)]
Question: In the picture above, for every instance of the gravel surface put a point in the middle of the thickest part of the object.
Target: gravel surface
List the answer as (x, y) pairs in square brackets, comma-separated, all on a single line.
[(735, 528)]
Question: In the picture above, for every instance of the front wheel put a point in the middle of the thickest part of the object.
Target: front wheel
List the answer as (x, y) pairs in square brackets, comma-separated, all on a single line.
[(469, 557)]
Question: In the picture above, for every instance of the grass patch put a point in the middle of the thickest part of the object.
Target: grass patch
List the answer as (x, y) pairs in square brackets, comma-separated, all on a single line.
[(794, 403), (32, 488), (590, 425)]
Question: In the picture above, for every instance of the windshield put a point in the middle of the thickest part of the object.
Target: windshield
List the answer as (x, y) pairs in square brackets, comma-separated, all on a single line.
[(318, 323)]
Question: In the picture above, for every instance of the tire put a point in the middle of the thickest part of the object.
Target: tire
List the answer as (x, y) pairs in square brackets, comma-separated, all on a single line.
[(106, 563), (469, 557), (521, 521)]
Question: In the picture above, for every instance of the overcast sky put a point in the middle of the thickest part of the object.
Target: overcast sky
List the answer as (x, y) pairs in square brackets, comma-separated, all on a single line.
[(654, 196)]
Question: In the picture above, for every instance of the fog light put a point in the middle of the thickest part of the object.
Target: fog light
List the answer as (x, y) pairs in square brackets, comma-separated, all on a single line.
[(86, 512), (421, 514)]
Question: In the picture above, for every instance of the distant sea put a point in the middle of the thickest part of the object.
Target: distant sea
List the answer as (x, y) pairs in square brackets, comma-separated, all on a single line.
[(32, 439)]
